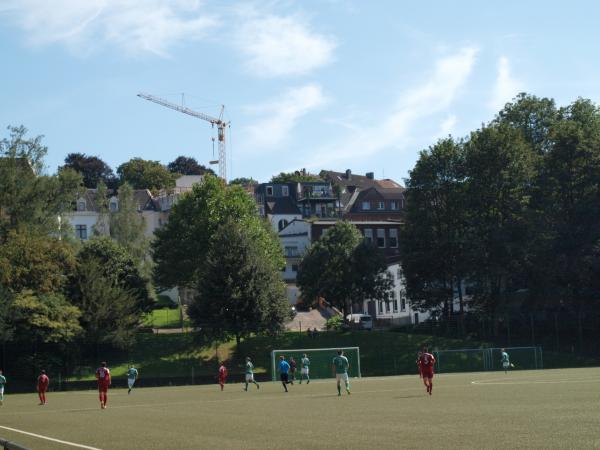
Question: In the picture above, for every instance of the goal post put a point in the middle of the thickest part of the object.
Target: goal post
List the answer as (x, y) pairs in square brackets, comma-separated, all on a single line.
[(487, 359), (321, 360)]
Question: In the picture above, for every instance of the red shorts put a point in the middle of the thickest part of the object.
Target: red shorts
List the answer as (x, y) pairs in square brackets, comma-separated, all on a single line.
[(222, 380), (42, 389), (427, 373), (103, 387)]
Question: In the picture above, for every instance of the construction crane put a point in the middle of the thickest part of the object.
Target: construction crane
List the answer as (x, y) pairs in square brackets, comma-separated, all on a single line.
[(219, 122)]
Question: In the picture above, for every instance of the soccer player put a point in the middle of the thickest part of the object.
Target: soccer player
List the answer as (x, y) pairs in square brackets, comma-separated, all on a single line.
[(42, 386), (222, 374), (419, 354), (2, 383), (284, 368), (427, 363), (104, 381), (304, 366), (505, 360), (132, 375), (250, 374), (340, 367), (292, 369)]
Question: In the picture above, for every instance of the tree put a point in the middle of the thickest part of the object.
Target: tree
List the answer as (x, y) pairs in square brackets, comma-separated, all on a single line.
[(110, 310), (37, 263), (28, 199), (297, 176), (127, 225), (240, 291), (145, 174), (180, 247), (435, 237), (92, 169), (184, 165), (343, 268), (115, 263), (44, 318), (243, 181)]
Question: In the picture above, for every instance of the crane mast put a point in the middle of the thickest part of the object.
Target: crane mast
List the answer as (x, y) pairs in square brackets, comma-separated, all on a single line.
[(218, 122)]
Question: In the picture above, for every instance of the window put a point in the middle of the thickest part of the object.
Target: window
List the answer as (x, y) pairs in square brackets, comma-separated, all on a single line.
[(380, 238), (401, 203), (282, 224), (81, 205), (380, 307), (81, 231), (285, 191), (113, 206), (269, 191), (291, 251), (394, 205), (369, 235), (366, 206), (395, 304), (380, 205), (160, 222), (294, 267), (402, 304), (389, 306), (394, 237), (399, 273)]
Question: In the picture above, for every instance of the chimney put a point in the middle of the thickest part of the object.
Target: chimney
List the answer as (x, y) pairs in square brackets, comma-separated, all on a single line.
[(348, 174), (370, 175)]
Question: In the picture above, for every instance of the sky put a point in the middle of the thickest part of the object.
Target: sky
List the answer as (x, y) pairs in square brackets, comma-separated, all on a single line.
[(329, 84)]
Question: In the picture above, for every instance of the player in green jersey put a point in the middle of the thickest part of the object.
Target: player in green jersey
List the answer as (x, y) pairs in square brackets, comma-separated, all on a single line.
[(304, 366), (2, 383), (505, 360), (250, 374), (132, 375), (340, 367)]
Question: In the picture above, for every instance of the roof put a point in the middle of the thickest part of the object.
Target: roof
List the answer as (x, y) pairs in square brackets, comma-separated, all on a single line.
[(388, 184), (281, 205), (141, 197), (360, 222)]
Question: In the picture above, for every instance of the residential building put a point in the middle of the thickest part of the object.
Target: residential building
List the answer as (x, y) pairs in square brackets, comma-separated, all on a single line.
[(295, 239)]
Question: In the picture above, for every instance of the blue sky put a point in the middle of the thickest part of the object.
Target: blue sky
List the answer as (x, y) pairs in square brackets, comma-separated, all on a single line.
[(307, 84)]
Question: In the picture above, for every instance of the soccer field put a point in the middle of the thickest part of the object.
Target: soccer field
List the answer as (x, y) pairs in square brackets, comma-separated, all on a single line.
[(523, 409)]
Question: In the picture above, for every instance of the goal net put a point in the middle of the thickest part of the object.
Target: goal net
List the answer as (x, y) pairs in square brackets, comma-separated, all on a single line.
[(487, 359), (320, 361)]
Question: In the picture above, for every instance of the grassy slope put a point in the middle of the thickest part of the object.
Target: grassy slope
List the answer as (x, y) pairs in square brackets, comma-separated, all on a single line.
[(538, 409)]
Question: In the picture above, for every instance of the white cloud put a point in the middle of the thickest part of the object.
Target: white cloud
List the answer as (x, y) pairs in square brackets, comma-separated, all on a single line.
[(506, 86), (414, 106), (83, 25), (279, 116), (277, 46)]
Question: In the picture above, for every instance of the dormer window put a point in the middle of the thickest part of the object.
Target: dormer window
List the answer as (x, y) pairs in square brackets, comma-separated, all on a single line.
[(81, 205), (285, 191), (113, 206), (269, 191), (380, 205)]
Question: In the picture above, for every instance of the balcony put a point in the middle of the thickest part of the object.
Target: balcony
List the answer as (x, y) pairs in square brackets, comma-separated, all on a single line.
[(316, 194)]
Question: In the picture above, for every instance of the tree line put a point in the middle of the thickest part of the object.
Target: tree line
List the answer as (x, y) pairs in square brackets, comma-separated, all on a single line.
[(510, 214)]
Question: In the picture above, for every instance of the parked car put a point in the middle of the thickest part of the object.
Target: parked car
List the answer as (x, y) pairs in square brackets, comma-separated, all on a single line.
[(360, 321)]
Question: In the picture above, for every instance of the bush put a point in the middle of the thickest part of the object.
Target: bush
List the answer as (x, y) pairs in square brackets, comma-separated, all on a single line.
[(334, 323)]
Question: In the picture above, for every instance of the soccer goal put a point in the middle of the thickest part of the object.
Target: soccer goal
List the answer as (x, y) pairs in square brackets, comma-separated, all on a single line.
[(487, 359), (320, 361)]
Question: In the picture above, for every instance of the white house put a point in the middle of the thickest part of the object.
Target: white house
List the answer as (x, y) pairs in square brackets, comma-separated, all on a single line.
[(295, 239)]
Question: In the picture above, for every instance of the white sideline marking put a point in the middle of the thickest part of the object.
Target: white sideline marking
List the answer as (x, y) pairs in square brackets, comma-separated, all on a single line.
[(497, 382), (72, 444)]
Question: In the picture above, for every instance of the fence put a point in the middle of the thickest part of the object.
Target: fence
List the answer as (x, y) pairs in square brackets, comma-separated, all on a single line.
[(487, 359), (9, 445)]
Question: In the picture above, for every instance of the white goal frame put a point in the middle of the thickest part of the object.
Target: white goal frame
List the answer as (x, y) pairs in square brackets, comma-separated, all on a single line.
[(311, 350)]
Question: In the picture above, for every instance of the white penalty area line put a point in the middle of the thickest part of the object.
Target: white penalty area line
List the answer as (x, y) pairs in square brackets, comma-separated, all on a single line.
[(515, 382), (47, 438)]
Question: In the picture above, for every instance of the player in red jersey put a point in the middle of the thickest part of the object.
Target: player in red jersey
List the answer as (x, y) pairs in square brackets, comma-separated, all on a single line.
[(42, 386), (419, 354), (427, 363), (222, 374), (103, 377)]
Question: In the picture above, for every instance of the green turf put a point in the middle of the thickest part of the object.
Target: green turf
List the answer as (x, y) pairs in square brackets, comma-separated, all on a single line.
[(523, 409), (165, 318)]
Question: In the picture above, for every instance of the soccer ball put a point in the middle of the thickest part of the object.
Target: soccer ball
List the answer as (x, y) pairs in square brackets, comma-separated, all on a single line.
[(512, 365)]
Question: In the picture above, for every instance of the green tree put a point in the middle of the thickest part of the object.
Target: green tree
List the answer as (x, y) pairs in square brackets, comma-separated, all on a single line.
[(240, 291), (184, 165), (29, 199), (343, 269), (145, 174), (44, 318), (243, 181), (297, 176), (180, 247), (115, 262), (37, 263), (92, 169), (435, 236), (127, 225)]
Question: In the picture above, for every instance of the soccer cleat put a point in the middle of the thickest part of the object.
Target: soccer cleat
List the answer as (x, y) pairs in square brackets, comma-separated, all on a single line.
[(348, 391), (257, 386), (307, 381)]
